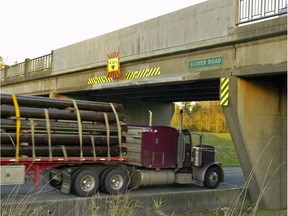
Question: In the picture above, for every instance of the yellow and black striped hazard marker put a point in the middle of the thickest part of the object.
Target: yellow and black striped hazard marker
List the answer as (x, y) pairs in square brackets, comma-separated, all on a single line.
[(143, 73), (224, 91), (101, 79)]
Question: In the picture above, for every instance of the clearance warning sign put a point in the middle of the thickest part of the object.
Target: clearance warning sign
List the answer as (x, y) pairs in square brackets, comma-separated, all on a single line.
[(113, 65)]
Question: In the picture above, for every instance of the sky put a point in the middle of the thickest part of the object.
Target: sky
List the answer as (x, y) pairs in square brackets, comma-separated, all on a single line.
[(33, 28)]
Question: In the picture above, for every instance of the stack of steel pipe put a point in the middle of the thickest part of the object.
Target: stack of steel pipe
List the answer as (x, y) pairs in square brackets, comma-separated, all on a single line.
[(56, 127)]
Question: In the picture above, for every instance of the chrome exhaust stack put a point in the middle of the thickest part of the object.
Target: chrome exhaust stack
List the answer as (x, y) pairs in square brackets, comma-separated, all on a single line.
[(150, 117)]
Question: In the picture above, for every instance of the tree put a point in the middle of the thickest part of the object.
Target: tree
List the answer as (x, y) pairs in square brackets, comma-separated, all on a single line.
[(2, 64), (201, 116)]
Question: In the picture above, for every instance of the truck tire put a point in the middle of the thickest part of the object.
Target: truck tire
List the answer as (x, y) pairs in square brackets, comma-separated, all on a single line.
[(102, 178), (212, 177), (85, 183), (115, 181)]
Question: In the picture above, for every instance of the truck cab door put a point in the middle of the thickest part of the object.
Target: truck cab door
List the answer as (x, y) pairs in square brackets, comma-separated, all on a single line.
[(187, 149)]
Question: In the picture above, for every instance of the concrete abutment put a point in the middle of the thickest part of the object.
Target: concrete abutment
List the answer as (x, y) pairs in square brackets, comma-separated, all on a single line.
[(257, 119)]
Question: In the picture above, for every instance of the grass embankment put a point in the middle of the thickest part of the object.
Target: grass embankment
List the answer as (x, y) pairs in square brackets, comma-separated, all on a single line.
[(219, 212), (223, 144)]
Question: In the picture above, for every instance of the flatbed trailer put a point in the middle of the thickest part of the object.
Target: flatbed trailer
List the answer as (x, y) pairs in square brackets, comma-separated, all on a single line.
[(16, 171)]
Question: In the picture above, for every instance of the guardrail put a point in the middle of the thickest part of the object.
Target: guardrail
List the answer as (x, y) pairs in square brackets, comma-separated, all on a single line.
[(253, 10), (29, 66)]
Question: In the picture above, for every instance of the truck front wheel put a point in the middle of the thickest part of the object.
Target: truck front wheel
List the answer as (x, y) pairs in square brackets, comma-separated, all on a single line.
[(115, 181), (85, 183), (212, 177)]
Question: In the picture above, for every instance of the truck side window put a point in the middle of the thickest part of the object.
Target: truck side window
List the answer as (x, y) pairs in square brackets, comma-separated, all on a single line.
[(187, 139)]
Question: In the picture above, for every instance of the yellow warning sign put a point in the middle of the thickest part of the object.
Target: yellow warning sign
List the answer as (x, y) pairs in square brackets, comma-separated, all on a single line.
[(224, 91), (113, 64), (143, 73), (97, 80)]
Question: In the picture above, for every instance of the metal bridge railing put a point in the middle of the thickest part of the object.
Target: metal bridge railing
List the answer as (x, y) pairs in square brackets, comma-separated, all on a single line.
[(252, 10)]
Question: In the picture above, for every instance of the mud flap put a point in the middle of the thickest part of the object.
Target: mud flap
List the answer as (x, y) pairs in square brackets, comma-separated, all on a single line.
[(66, 182)]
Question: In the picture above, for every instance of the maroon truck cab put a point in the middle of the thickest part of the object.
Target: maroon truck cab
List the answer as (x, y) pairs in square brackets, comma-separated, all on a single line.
[(159, 147), (164, 155)]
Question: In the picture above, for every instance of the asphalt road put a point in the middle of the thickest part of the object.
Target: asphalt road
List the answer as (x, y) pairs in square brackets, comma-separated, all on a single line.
[(233, 179)]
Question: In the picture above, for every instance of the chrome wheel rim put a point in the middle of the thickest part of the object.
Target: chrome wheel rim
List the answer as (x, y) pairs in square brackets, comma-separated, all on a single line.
[(116, 182), (87, 183), (213, 178)]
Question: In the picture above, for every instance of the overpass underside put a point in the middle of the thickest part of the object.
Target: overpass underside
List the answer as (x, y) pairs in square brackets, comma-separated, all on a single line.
[(138, 100), (195, 90)]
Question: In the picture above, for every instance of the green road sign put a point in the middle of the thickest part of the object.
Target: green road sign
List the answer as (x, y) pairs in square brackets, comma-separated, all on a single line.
[(206, 62)]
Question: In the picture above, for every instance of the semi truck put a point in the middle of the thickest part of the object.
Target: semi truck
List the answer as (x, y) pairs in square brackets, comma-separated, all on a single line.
[(83, 147)]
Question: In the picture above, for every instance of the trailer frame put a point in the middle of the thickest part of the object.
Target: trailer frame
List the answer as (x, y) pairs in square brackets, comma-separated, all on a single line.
[(36, 165)]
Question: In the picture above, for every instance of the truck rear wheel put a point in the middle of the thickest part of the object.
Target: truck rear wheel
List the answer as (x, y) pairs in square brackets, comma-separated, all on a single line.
[(102, 179), (115, 181), (85, 182), (212, 177)]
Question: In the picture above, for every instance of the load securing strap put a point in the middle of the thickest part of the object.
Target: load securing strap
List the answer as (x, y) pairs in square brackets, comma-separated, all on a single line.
[(18, 126), (48, 133), (64, 152), (108, 134), (93, 147), (79, 128), (33, 139), (119, 129)]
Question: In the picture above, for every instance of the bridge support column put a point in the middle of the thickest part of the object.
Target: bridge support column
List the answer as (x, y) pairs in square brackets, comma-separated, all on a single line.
[(137, 112), (257, 119)]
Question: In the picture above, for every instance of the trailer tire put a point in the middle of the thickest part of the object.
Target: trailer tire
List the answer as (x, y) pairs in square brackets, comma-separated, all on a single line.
[(85, 183), (115, 181), (73, 176), (212, 177), (102, 179)]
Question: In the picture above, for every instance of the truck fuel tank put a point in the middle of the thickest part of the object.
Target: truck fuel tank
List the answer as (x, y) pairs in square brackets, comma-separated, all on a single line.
[(151, 177)]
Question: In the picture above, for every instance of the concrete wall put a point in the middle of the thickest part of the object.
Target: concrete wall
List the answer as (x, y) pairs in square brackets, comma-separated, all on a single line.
[(173, 203), (260, 57), (211, 19), (137, 112), (257, 119)]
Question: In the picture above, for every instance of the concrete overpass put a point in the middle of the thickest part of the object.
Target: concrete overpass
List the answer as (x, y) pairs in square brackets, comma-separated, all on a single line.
[(181, 56)]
